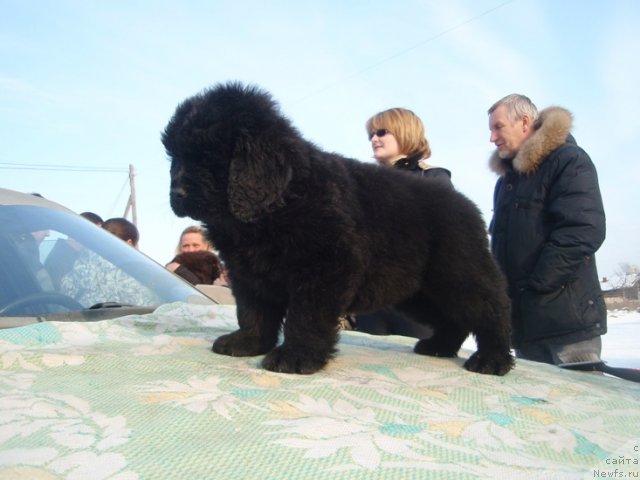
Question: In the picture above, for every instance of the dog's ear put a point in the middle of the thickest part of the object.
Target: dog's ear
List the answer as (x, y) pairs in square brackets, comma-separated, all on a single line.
[(258, 177)]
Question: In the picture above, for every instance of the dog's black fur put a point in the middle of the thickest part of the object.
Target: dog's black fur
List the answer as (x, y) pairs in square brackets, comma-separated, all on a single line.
[(309, 235)]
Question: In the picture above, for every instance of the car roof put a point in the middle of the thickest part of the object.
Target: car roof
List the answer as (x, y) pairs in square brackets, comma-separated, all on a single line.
[(11, 197)]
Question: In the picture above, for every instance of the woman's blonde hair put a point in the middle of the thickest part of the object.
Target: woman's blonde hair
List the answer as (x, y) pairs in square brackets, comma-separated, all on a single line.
[(406, 126), (195, 229)]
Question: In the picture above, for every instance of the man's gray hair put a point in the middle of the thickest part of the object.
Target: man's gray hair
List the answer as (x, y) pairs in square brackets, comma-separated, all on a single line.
[(517, 107)]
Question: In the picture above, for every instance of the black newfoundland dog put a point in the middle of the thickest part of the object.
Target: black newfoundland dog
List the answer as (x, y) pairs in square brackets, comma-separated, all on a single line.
[(308, 236)]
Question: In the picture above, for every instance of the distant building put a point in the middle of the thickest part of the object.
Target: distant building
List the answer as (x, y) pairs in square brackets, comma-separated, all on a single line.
[(620, 288)]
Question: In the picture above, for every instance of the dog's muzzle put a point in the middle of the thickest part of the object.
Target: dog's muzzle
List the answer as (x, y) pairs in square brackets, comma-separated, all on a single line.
[(177, 196)]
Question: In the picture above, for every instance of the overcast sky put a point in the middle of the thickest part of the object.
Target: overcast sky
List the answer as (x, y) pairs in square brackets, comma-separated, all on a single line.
[(86, 87)]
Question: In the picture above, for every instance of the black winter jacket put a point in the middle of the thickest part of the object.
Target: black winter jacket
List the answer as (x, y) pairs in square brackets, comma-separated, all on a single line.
[(548, 221), (416, 164)]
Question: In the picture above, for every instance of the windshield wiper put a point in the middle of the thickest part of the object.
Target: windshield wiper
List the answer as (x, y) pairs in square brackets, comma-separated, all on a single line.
[(101, 305)]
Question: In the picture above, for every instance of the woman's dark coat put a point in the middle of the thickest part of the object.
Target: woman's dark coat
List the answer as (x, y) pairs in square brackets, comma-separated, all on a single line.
[(415, 164), (548, 222)]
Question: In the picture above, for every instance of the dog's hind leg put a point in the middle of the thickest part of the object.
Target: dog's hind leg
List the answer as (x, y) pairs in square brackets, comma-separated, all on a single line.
[(447, 335), (489, 318), (477, 305), (493, 356), (445, 342), (259, 328), (492, 324)]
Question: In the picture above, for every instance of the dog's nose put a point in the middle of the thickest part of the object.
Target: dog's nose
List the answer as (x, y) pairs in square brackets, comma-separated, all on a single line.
[(177, 199), (178, 192)]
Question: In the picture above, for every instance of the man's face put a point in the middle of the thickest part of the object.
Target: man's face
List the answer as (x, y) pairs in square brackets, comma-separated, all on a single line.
[(508, 136)]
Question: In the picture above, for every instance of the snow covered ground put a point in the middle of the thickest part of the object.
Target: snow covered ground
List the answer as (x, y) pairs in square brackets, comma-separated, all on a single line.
[(620, 344)]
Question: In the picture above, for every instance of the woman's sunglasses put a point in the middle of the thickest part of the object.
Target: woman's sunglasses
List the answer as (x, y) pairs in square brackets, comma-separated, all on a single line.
[(381, 132)]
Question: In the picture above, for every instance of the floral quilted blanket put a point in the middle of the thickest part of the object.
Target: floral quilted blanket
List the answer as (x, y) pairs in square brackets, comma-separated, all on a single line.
[(143, 397)]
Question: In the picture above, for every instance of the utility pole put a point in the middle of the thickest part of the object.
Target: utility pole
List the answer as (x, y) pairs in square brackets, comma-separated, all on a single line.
[(131, 204)]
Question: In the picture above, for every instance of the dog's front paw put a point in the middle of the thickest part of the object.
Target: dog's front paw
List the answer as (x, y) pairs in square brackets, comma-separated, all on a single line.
[(490, 364), (286, 359), (239, 344)]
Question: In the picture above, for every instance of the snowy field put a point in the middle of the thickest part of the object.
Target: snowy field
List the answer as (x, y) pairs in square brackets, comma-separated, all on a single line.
[(620, 344)]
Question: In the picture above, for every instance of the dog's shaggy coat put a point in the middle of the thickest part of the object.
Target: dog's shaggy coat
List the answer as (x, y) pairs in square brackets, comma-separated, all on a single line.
[(309, 235)]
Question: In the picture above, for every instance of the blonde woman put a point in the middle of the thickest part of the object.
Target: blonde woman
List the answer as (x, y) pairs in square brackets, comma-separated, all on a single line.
[(195, 260), (193, 239), (398, 141)]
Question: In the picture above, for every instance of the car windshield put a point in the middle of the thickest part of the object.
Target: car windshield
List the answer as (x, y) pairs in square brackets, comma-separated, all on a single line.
[(55, 263)]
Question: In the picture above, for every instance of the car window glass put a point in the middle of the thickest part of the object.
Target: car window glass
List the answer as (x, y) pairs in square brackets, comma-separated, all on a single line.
[(56, 261)]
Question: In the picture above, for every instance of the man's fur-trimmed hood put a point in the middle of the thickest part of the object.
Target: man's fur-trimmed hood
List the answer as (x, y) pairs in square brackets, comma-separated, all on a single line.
[(552, 127)]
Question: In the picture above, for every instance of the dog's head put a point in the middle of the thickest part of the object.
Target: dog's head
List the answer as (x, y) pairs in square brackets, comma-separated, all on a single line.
[(231, 152)]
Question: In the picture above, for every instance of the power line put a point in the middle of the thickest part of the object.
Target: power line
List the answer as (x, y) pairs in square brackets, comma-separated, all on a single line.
[(118, 197), (402, 52), (60, 168)]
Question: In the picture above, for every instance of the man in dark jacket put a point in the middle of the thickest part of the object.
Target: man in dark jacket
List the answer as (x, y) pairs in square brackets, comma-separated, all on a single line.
[(548, 221)]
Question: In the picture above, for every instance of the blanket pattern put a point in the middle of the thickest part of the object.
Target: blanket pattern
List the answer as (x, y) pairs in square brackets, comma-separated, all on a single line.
[(144, 397)]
